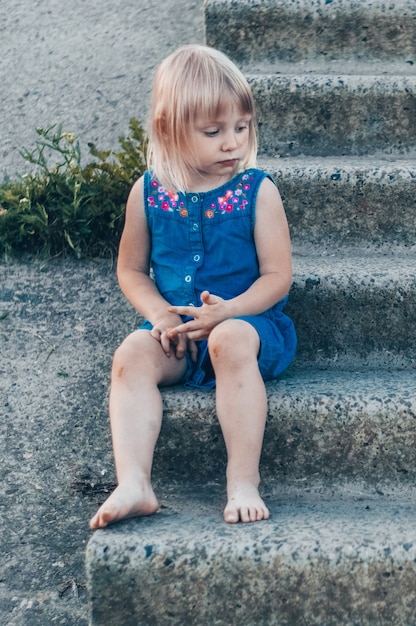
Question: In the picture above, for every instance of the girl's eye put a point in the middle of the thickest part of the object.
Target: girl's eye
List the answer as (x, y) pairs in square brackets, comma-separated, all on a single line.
[(240, 129), (211, 133)]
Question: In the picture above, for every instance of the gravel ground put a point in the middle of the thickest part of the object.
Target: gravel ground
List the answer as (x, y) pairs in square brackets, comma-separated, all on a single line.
[(89, 66)]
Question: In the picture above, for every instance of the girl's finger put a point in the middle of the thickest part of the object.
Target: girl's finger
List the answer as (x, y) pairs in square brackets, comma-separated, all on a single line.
[(193, 350), (166, 345), (163, 339), (182, 328), (155, 333), (181, 347), (188, 311)]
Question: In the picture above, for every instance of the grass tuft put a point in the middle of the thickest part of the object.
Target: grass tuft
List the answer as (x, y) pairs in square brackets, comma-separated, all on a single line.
[(64, 207)]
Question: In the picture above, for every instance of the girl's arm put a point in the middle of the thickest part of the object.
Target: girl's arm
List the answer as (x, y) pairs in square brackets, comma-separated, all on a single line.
[(273, 247), (133, 275), (272, 239)]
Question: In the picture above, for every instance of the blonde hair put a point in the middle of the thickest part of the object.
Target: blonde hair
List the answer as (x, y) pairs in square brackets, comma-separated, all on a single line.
[(195, 81)]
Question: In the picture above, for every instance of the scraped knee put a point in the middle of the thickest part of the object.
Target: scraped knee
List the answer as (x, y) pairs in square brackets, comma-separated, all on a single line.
[(234, 340)]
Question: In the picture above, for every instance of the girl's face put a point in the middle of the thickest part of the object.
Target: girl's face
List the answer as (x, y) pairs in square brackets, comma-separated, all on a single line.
[(219, 146)]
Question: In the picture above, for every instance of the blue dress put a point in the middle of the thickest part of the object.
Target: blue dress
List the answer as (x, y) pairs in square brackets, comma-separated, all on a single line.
[(205, 241)]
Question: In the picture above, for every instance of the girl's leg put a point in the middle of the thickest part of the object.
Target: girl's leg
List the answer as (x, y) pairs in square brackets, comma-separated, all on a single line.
[(242, 410), (139, 367)]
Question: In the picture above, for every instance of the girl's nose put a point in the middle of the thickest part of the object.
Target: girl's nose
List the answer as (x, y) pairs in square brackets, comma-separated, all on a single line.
[(230, 141)]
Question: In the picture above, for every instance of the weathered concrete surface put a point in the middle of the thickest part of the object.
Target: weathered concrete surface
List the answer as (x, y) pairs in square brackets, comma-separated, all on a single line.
[(334, 557), (354, 305), (88, 65), (356, 200), (323, 424), (342, 114), (59, 325), (329, 78), (301, 29)]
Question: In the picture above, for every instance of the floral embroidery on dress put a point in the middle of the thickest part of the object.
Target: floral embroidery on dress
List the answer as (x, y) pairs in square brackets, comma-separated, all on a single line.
[(166, 200), (232, 200)]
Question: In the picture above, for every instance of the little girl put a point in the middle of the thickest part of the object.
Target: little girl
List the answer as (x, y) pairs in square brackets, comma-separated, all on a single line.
[(213, 229)]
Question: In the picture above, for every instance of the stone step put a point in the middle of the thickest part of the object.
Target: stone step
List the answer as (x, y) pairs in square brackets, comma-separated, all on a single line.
[(337, 557), (335, 114), (250, 30), (329, 200), (339, 455), (323, 424), (354, 306)]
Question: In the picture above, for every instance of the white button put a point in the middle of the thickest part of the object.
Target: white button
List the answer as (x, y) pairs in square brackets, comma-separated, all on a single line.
[(191, 304), (195, 226), (196, 257), (195, 198), (188, 279)]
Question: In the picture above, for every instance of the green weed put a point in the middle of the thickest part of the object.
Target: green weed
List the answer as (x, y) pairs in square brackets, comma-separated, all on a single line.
[(65, 207)]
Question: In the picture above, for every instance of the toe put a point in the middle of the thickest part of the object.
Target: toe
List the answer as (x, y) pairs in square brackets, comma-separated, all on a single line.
[(245, 514), (263, 513), (254, 514), (94, 522), (231, 515)]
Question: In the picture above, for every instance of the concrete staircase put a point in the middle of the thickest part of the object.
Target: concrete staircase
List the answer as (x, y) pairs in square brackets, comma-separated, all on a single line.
[(335, 85)]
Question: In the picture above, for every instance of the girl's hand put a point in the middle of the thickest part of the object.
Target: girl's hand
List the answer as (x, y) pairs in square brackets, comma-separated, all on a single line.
[(180, 343), (213, 311)]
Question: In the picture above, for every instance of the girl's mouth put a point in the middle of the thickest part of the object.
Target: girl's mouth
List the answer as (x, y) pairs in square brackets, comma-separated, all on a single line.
[(229, 162)]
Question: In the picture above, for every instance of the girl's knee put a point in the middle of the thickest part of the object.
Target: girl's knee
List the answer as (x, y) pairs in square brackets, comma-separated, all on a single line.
[(233, 340), (130, 353), (122, 358), (140, 358)]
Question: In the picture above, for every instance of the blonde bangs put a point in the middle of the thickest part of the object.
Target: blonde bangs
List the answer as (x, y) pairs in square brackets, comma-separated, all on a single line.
[(195, 81)]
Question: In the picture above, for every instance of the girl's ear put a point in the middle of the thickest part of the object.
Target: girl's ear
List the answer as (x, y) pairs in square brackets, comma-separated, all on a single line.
[(161, 127)]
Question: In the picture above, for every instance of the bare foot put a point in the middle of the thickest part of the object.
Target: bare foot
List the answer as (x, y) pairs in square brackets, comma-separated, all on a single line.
[(244, 504), (127, 500)]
